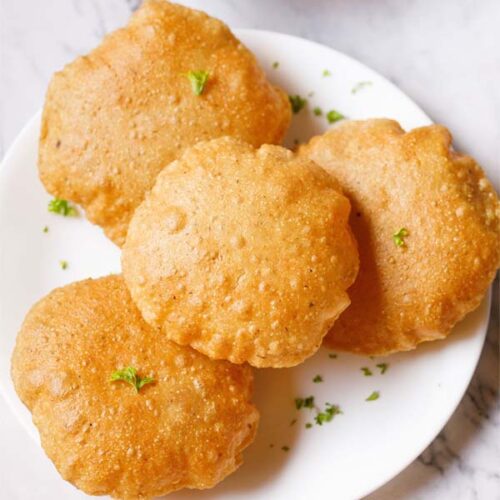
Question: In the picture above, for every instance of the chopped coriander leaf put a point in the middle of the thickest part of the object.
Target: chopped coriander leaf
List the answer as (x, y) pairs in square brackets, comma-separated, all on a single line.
[(332, 356), (366, 371), (399, 237), (129, 375), (198, 81), (62, 207), (304, 403), (285, 448), (317, 111), (373, 396), (326, 73), (334, 116), (383, 367), (63, 264), (328, 414), (317, 379), (321, 418), (359, 86), (297, 103), (309, 425), (46, 229), (276, 65), (293, 422), (309, 402)]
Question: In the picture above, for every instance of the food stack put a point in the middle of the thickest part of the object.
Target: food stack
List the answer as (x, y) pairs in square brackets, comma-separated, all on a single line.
[(236, 252)]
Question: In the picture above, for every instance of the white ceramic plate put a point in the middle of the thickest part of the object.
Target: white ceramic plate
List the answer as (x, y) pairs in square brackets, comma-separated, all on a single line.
[(359, 450)]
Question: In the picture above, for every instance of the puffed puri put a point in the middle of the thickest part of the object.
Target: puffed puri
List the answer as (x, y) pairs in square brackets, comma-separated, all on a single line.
[(186, 429), (427, 222), (244, 254), (114, 118)]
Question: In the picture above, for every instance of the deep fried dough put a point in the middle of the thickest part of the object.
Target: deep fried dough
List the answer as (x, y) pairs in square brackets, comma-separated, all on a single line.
[(243, 254), (187, 429), (113, 119), (415, 292)]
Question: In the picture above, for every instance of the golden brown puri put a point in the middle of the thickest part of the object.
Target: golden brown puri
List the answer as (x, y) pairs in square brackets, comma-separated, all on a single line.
[(416, 292), (243, 254), (113, 119), (187, 429)]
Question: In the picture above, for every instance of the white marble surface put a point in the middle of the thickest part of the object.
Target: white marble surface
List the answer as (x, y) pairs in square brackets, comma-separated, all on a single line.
[(445, 54)]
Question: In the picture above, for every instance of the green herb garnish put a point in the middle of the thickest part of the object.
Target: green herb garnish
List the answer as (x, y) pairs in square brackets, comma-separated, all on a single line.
[(63, 264), (334, 116), (317, 379), (383, 367), (328, 414), (308, 425), (285, 448), (399, 237), (198, 81), (62, 207), (366, 371), (373, 396), (46, 229), (130, 376), (293, 422), (276, 65), (326, 73), (359, 86), (309, 402), (317, 111), (304, 402), (297, 103)]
